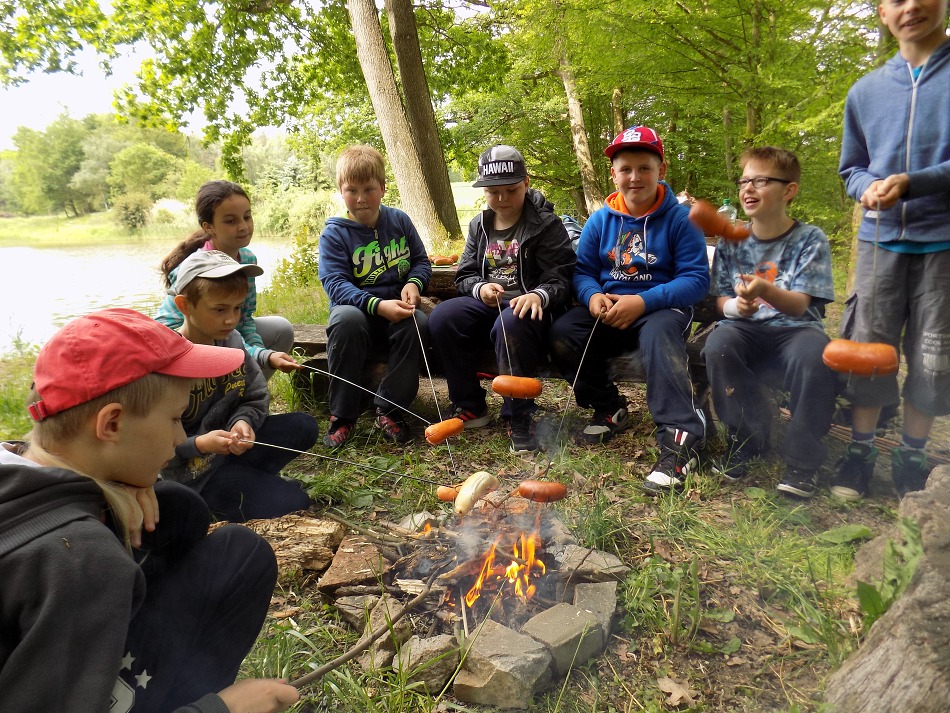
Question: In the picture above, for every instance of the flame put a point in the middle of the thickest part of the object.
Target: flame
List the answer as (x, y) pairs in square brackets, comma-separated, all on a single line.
[(426, 529), (518, 574)]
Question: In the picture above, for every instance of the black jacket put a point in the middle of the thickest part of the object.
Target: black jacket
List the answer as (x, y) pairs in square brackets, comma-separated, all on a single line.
[(68, 591), (545, 258)]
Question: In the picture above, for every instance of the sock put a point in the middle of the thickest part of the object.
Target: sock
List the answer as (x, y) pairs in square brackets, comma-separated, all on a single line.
[(866, 438), (912, 444)]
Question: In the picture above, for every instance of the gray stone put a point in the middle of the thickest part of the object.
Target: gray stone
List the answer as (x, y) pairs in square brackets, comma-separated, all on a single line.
[(600, 599), (355, 610), (582, 564), (432, 661), (902, 664), (502, 668), (571, 635), (382, 651)]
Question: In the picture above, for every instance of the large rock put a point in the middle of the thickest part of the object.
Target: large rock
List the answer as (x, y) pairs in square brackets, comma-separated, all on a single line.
[(903, 664), (572, 635), (502, 668), (432, 661), (382, 651), (356, 562)]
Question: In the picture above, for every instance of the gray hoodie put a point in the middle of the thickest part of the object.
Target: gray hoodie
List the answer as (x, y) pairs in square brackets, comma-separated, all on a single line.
[(894, 123)]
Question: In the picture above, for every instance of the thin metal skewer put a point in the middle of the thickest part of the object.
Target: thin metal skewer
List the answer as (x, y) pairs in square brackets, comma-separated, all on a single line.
[(425, 360), (341, 460), (568, 403), (363, 388)]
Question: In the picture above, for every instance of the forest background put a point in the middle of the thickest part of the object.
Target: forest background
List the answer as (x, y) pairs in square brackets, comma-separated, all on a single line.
[(433, 84)]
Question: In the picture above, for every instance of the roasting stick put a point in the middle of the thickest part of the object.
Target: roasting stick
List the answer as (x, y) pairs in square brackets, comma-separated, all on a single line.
[(367, 641), (341, 460), (573, 384), (363, 388), (435, 399)]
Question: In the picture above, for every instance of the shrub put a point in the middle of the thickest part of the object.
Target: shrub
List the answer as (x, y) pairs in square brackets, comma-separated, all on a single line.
[(132, 211)]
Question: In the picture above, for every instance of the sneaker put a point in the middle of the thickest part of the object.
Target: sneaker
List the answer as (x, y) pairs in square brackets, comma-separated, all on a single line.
[(606, 424), (393, 427), (522, 436), (909, 470), (799, 482), (338, 432), (733, 465), (471, 419), (678, 458), (853, 480)]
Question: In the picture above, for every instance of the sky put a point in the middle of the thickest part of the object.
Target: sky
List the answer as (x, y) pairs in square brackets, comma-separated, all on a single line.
[(37, 103)]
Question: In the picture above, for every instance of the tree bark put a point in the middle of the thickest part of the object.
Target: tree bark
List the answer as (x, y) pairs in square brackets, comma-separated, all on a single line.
[(592, 194), (727, 150), (393, 124), (418, 101), (615, 104)]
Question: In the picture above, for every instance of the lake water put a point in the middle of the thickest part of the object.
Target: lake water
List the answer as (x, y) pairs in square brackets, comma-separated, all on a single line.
[(44, 288)]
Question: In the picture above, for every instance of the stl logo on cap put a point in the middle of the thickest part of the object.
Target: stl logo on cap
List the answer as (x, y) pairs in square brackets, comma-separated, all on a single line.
[(637, 137)]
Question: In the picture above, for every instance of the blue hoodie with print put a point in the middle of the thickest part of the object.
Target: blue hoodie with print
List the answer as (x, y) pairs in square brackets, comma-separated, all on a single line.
[(660, 256), (363, 266), (894, 123)]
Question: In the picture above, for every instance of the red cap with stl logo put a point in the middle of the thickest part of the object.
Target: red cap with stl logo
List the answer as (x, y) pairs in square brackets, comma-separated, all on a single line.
[(638, 137), (104, 350)]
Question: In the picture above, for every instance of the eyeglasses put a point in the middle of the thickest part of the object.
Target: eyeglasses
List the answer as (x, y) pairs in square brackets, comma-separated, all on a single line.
[(759, 181)]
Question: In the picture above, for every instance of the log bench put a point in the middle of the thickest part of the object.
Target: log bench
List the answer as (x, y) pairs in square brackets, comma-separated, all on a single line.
[(310, 341)]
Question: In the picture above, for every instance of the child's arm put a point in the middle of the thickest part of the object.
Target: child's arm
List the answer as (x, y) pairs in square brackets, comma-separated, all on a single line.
[(255, 402), (690, 281), (555, 260), (420, 271), (336, 273), (468, 276), (589, 265), (752, 288)]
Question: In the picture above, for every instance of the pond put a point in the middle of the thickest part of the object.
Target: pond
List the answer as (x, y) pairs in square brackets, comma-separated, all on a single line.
[(45, 287)]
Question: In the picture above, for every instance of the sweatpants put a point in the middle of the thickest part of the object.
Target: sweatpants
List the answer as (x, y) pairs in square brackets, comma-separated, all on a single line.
[(462, 326), (277, 334), (738, 354), (661, 338), (206, 599), (249, 486), (352, 335)]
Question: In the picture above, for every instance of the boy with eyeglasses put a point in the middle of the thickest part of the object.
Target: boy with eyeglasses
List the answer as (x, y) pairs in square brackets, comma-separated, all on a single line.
[(771, 290)]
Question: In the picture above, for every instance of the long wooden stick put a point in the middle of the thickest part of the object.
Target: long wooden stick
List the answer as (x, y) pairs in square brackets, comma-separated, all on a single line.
[(366, 642)]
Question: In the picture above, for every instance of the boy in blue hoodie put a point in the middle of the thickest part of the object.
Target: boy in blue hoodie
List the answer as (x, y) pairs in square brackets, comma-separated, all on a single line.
[(641, 266), (374, 269), (895, 160)]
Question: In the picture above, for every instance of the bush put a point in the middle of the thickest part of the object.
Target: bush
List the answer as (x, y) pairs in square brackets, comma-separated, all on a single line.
[(132, 211), (293, 212)]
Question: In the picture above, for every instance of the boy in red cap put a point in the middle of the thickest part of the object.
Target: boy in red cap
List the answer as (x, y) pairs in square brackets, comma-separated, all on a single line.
[(641, 266), (137, 613)]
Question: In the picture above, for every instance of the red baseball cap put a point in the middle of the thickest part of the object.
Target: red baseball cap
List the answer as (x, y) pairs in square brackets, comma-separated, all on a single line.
[(104, 350), (637, 137)]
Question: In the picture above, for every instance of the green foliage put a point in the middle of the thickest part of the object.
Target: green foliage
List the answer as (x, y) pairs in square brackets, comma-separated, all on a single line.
[(190, 178), (132, 211), (16, 375), (900, 563), (141, 168)]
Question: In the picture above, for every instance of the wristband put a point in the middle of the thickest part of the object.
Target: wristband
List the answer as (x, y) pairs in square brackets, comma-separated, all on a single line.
[(730, 309)]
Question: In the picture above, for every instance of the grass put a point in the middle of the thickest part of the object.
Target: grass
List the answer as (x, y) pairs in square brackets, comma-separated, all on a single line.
[(732, 590)]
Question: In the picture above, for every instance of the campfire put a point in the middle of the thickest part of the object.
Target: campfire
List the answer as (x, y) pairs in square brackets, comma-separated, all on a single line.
[(507, 584)]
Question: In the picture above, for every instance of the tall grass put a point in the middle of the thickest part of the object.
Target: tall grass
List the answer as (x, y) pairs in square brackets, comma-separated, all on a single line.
[(16, 375)]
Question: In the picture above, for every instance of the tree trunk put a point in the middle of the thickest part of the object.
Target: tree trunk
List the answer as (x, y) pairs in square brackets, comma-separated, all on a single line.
[(418, 99), (615, 104), (397, 136), (727, 150), (592, 195)]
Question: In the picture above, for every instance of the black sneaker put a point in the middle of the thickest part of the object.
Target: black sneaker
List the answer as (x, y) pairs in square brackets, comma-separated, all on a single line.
[(799, 482), (606, 424), (472, 419), (678, 458), (521, 433), (338, 432), (853, 480), (909, 470), (393, 427), (733, 465)]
